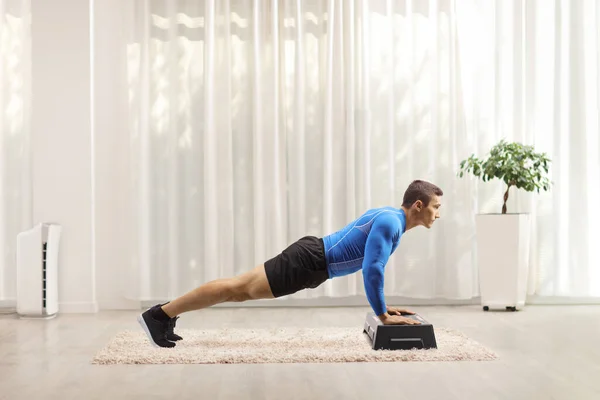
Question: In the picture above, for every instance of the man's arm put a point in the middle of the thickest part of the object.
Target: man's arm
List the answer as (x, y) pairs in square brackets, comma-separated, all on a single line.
[(377, 253)]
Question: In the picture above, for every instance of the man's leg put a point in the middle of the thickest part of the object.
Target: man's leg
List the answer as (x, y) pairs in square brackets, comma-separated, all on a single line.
[(159, 321), (251, 285)]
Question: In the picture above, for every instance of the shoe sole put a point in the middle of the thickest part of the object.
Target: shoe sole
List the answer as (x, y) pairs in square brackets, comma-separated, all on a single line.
[(141, 321)]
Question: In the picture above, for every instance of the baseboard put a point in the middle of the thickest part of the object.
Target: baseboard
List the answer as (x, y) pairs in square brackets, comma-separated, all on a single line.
[(351, 301), (78, 307), (74, 307), (562, 300), (119, 305), (361, 301), (8, 306)]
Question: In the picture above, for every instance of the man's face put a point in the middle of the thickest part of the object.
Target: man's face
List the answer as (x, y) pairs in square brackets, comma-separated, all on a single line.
[(430, 213)]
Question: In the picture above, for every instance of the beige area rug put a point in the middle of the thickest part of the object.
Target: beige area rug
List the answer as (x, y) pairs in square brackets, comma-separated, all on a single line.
[(282, 345)]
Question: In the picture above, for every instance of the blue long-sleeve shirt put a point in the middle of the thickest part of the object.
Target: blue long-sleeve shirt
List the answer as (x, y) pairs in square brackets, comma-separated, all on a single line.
[(366, 243)]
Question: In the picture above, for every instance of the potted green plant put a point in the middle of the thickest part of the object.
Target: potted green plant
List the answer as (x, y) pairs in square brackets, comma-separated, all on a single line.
[(503, 238)]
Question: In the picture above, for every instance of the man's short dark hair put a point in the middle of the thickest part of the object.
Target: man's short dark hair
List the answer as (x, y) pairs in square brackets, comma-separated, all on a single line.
[(420, 190)]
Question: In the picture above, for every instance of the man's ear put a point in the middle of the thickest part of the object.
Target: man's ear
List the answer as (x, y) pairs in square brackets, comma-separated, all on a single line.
[(419, 205)]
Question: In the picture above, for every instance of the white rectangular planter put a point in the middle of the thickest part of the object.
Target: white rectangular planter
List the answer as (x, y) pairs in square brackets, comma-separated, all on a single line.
[(503, 259)]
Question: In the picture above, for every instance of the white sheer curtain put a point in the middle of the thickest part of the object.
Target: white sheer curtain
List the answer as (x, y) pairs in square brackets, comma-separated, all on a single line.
[(530, 73), (15, 178), (254, 123)]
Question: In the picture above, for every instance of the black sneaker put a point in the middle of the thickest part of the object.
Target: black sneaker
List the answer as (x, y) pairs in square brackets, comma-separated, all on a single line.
[(155, 329), (171, 335)]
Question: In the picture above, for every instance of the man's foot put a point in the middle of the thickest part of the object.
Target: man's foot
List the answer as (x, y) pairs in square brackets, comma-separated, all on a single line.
[(171, 335), (155, 328)]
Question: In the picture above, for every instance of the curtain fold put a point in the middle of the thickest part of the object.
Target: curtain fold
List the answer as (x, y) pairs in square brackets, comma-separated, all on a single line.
[(15, 152), (254, 123)]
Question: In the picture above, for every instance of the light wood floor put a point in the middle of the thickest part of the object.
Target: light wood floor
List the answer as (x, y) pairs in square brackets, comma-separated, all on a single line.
[(546, 352)]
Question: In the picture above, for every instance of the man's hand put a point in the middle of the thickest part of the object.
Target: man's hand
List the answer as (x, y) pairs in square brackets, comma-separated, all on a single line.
[(397, 320), (398, 311)]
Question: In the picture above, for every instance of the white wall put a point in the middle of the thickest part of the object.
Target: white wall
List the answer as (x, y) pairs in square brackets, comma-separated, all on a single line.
[(61, 142)]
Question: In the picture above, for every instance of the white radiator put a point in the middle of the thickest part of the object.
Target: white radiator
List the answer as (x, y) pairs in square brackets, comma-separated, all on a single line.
[(37, 271)]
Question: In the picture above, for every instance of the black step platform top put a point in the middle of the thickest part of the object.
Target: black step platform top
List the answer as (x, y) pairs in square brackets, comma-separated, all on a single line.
[(399, 337)]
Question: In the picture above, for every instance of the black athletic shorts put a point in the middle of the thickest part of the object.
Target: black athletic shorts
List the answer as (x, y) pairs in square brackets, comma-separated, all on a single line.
[(301, 266)]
